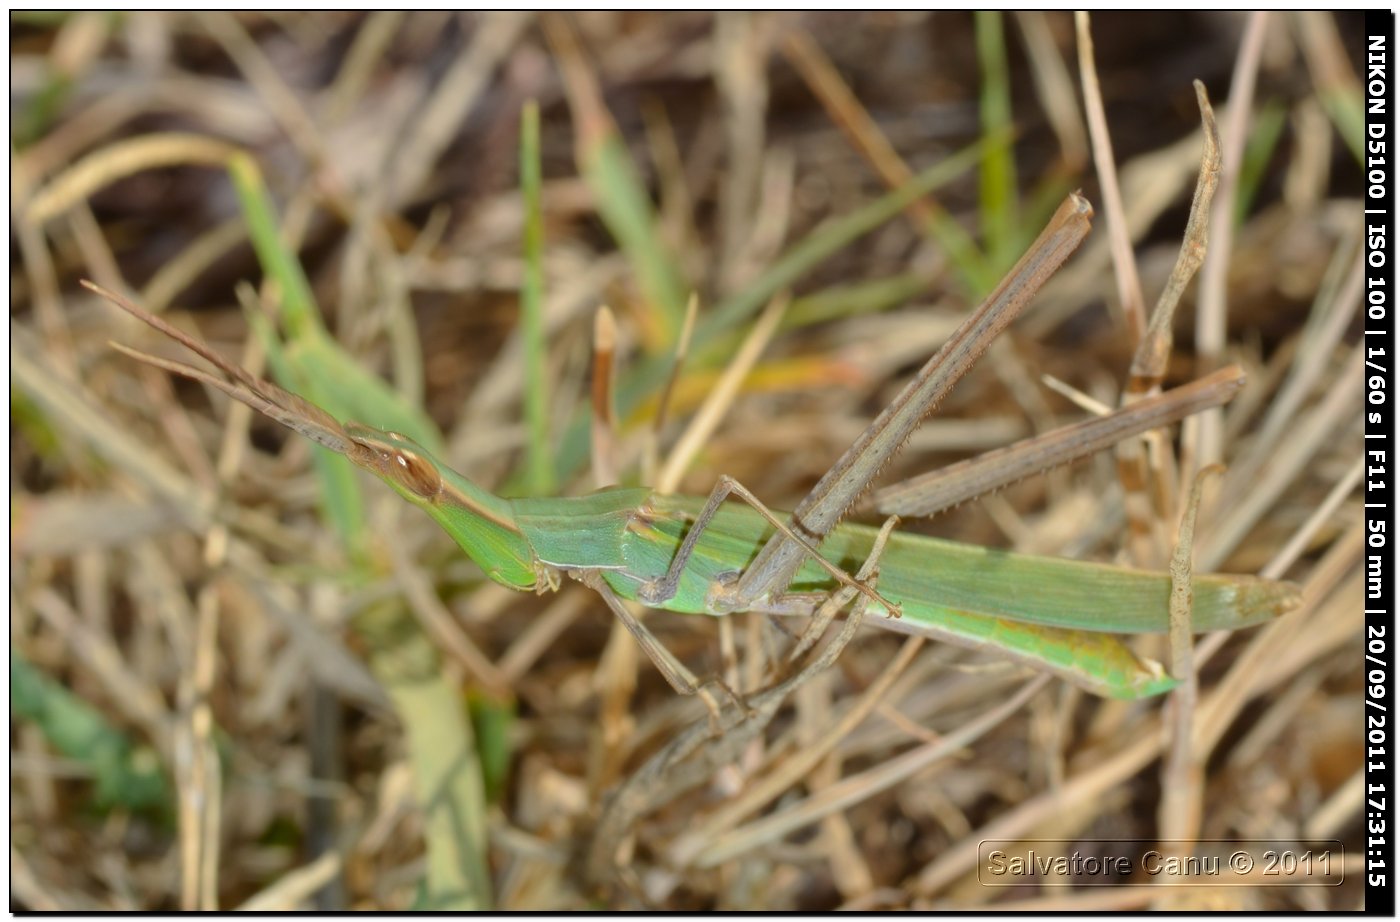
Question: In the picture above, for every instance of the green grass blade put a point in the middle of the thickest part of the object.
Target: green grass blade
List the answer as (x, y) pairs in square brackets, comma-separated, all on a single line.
[(299, 314), (125, 775), (450, 790), (1037, 208), (492, 722), (831, 237), (33, 425), (969, 262), (325, 373), (1269, 120), (625, 207), (441, 746), (1348, 114), (842, 301), (539, 463), (998, 182), (646, 377), (342, 503), (41, 110), (358, 394)]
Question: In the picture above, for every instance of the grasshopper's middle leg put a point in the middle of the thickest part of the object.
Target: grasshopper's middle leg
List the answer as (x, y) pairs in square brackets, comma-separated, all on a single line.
[(688, 759), (676, 673), (657, 591)]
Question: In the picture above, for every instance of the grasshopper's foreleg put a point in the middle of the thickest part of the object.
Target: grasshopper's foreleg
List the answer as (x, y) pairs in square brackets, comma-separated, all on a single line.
[(677, 675), (656, 591)]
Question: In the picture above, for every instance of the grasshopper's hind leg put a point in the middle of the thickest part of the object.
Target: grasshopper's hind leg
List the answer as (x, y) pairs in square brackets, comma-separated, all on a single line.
[(825, 608)]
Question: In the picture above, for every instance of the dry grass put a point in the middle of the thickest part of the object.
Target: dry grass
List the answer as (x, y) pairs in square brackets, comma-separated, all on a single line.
[(171, 571)]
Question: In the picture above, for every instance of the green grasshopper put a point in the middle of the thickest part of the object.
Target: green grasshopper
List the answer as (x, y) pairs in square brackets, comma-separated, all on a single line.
[(706, 556)]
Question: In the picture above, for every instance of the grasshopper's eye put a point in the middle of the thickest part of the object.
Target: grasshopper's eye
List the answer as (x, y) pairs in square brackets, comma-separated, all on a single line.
[(386, 454), (416, 474)]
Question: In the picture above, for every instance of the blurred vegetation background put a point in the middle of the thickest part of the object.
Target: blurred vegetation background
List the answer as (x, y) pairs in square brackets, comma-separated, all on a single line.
[(242, 676)]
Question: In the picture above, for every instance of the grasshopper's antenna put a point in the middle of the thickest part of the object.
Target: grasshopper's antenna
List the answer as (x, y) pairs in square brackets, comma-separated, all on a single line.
[(294, 412)]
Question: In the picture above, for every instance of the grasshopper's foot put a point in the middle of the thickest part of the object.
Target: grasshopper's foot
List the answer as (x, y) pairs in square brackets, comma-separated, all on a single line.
[(719, 598), (734, 700), (650, 592)]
